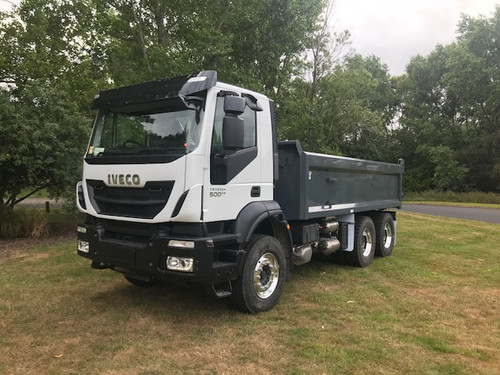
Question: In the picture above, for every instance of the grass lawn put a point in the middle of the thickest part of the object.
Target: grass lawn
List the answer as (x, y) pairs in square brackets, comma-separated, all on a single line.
[(450, 196), (431, 308), (455, 204), (43, 193)]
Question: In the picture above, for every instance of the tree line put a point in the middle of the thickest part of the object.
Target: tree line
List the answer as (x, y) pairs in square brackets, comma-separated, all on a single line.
[(441, 116)]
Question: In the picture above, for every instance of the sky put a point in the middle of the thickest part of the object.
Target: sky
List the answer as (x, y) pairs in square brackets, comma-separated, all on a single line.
[(5, 5), (396, 30)]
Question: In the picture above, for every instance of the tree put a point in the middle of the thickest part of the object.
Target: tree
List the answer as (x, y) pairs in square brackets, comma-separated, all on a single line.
[(55, 43), (370, 118), (254, 43), (474, 78), (349, 112), (428, 117), (51, 74), (41, 139), (302, 97), (449, 101), (448, 173)]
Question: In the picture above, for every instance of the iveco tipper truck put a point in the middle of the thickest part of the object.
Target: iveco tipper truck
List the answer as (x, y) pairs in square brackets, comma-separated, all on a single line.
[(184, 179)]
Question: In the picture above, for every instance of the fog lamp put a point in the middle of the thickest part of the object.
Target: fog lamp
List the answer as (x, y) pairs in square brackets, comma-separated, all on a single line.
[(181, 244), (180, 264), (81, 229), (83, 246)]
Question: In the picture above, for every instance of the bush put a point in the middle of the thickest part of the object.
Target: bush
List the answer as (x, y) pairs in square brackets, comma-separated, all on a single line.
[(35, 224), (25, 223), (10, 225)]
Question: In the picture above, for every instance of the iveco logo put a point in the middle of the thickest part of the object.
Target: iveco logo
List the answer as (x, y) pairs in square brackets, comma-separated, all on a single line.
[(123, 179)]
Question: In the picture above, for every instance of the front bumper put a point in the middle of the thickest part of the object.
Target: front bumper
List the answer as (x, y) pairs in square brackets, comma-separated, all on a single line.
[(215, 259)]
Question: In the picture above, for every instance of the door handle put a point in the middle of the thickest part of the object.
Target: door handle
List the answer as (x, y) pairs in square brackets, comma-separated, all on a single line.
[(255, 192)]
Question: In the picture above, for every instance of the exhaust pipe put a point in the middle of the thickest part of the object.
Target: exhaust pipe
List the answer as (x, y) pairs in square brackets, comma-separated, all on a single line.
[(302, 254)]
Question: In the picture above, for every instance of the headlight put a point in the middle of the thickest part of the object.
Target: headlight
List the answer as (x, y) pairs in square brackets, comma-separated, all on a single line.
[(83, 246), (180, 264)]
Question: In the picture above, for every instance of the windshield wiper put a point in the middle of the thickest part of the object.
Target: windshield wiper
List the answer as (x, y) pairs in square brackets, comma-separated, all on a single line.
[(157, 149)]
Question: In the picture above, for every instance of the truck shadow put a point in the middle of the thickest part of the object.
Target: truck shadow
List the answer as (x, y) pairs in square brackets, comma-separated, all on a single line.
[(177, 299), (161, 299)]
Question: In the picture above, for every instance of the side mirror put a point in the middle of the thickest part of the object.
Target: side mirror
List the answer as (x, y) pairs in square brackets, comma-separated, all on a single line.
[(233, 127), (234, 105)]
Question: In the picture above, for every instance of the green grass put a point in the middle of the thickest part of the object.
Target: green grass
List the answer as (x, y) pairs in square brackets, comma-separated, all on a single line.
[(450, 196), (43, 193), (455, 204), (431, 308)]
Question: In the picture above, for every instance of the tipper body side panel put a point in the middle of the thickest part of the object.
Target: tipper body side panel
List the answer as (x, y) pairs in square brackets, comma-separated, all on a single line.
[(313, 185)]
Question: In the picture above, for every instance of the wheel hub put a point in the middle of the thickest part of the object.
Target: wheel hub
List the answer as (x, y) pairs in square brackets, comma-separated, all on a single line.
[(387, 235), (266, 275), (367, 242)]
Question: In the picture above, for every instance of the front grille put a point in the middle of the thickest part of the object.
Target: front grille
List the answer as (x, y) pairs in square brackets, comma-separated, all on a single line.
[(143, 203)]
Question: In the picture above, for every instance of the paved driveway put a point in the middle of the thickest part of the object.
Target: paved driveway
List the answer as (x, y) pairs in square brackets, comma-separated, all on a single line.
[(488, 215), (40, 202)]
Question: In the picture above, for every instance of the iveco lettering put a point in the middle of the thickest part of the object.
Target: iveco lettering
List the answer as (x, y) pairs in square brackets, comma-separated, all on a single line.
[(184, 179), (124, 179)]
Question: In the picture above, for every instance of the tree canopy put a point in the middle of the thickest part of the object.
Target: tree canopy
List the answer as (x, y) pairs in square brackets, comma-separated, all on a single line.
[(40, 142), (450, 100), (441, 116)]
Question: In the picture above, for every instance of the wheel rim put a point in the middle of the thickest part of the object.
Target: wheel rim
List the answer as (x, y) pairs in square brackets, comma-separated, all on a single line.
[(266, 275), (387, 235), (367, 242)]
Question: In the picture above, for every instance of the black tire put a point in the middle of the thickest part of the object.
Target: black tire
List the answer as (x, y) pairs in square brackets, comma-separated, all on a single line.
[(139, 282), (364, 243), (386, 234), (262, 280)]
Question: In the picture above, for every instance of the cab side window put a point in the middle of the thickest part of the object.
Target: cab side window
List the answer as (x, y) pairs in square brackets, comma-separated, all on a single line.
[(250, 130), (225, 164)]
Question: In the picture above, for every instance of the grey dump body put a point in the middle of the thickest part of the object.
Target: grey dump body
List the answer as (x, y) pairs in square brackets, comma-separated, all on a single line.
[(313, 186)]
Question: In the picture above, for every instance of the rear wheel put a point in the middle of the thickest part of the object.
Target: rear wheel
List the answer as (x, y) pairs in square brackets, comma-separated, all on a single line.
[(364, 243), (386, 234), (261, 283)]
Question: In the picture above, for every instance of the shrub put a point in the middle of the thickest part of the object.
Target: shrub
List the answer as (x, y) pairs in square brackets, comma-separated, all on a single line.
[(10, 224), (24, 223), (34, 224)]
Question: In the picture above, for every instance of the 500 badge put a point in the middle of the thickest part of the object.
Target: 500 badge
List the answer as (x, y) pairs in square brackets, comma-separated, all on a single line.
[(217, 192)]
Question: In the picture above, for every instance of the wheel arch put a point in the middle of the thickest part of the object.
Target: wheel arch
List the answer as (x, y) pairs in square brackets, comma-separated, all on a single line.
[(266, 218)]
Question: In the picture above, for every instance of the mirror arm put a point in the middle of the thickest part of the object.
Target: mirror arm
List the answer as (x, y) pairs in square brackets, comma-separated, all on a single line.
[(252, 102)]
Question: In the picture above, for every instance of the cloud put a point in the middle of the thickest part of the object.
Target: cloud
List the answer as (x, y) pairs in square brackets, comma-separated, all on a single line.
[(396, 30)]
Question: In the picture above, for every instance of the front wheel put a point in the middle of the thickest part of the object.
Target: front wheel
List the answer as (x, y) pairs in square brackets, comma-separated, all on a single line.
[(261, 283)]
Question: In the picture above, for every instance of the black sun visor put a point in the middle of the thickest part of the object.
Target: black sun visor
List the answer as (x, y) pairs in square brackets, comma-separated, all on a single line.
[(156, 90)]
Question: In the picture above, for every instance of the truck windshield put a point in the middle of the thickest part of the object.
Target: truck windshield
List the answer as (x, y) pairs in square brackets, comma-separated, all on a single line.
[(146, 130)]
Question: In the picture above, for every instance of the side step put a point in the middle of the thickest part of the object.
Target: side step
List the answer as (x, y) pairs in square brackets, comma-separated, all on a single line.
[(221, 290)]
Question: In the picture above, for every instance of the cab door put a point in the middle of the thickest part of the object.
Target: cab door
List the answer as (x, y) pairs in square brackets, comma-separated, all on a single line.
[(234, 179)]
